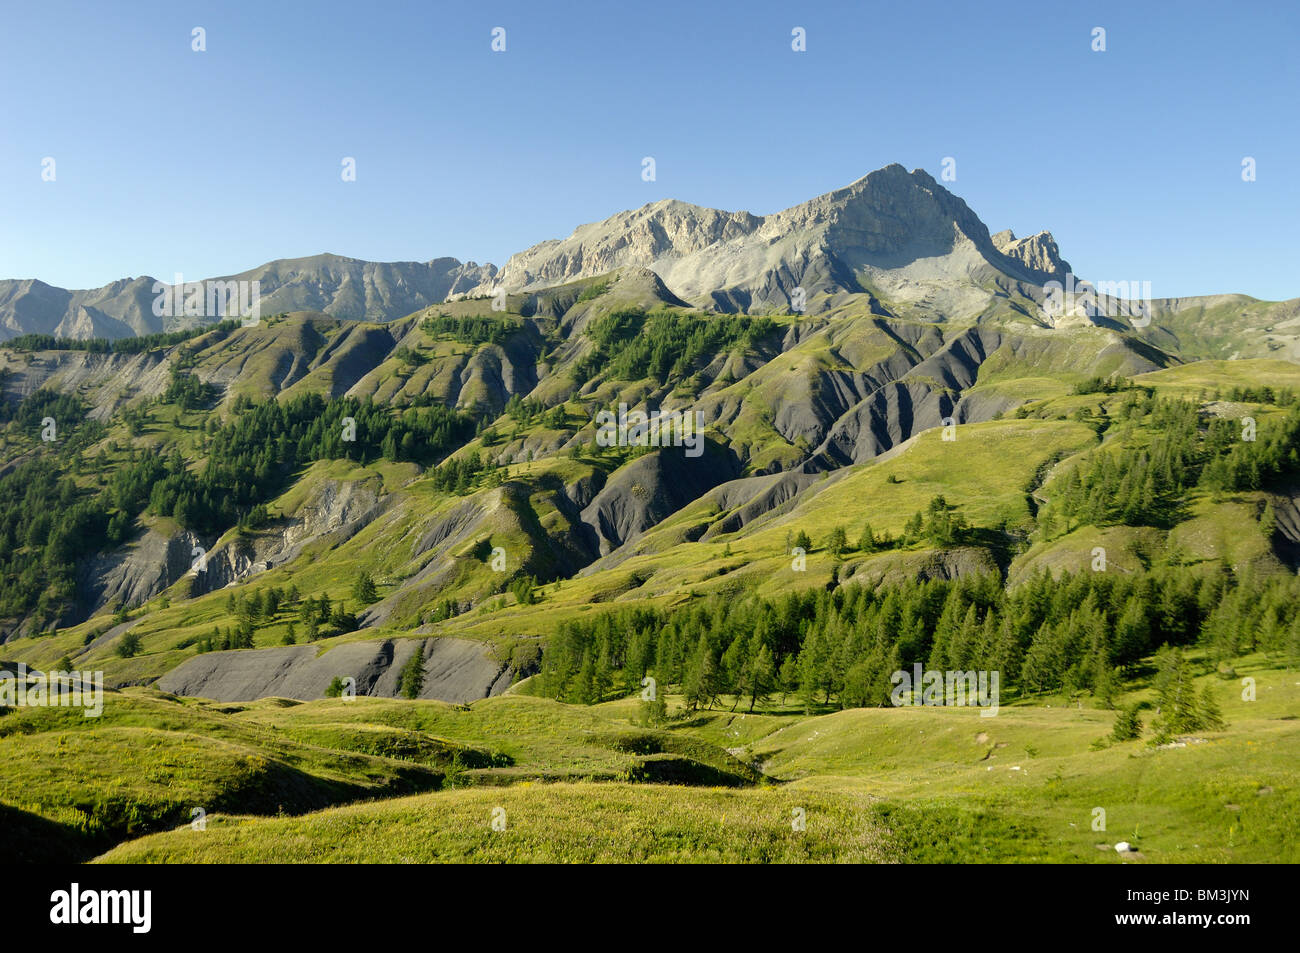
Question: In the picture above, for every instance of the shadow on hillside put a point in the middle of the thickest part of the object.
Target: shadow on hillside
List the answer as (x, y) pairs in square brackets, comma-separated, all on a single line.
[(32, 839)]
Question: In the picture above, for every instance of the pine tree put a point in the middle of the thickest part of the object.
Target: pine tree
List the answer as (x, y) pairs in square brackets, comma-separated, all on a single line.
[(363, 590), (812, 666), (1127, 725), (700, 681), (789, 675), (1268, 520), (411, 681), (1178, 712), (761, 675), (867, 541), (602, 678), (586, 688), (129, 645), (1208, 712), (732, 674)]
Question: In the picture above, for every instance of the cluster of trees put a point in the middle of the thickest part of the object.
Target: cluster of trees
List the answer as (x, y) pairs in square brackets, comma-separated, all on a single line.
[(364, 590), (472, 330), (187, 391), (526, 411), (1144, 485), (131, 345), (443, 610), (524, 589), (1181, 708), (251, 456), (267, 607), (1076, 634), (1283, 397), (410, 356), (939, 524), (1254, 465), (249, 610), (463, 475), (240, 637), (46, 524), (67, 410), (1104, 385), (314, 614), (631, 344), (260, 606), (309, 427)]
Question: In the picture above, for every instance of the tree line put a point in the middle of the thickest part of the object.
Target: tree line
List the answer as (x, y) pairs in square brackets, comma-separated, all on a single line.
[(1079, 634), (131, 345)]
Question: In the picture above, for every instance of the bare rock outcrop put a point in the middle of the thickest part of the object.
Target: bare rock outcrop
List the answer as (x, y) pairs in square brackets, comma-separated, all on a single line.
[(651, 488), (134, 573), (455, 670), (893, 227)]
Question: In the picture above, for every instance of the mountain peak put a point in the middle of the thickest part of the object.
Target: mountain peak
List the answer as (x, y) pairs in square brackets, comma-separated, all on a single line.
[(1039, 253), (889, 222), (896, 231)]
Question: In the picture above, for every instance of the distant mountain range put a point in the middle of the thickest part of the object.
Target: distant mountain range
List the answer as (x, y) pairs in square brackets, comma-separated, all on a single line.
[(892, 236), (341, 287)]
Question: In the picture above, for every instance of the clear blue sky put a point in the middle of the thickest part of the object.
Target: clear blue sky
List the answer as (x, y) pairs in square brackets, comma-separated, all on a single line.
[(209, 163)]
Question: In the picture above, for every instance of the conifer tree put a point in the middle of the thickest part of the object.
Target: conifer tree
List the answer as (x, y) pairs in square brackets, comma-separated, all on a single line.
[(411, 679)]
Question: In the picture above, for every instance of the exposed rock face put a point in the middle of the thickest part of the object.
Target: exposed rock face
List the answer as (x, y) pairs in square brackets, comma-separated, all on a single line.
[(891, 227), (135, 573), (752, 497), (361, 290), (337, 510), (915, 299), (341, 287), (118, 309), (654, 234), (1038, 253), (106, 381), (649, 489), (925, 398), (455, 670)]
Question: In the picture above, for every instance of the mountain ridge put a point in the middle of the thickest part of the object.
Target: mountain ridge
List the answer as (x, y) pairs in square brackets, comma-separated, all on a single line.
[(337, 285), (890, 235)]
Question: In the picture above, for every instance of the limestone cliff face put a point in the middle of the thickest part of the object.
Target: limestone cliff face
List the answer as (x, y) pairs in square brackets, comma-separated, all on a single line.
[(1038, 253), (892, 228)]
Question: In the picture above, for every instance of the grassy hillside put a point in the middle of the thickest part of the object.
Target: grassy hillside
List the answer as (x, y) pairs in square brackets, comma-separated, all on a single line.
[(873, 490), (874, 785)]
